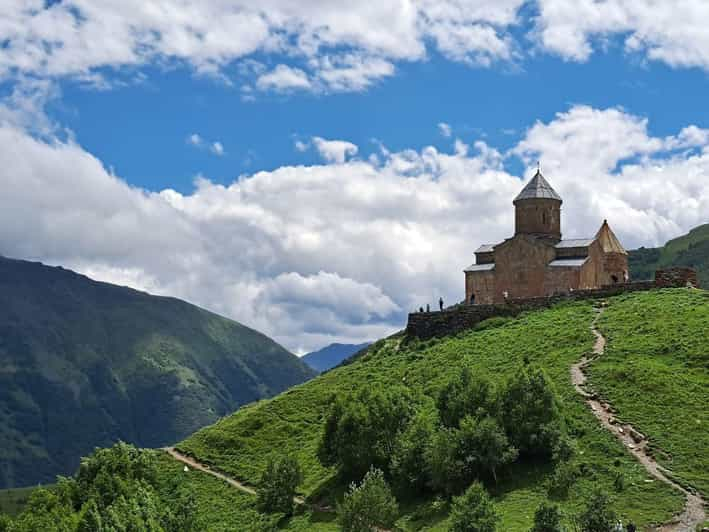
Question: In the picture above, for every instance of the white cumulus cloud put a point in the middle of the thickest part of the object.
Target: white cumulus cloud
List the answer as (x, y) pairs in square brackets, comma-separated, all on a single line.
[(673, 32), (337, 46), (342, 251), (334, 151), (283, 78)]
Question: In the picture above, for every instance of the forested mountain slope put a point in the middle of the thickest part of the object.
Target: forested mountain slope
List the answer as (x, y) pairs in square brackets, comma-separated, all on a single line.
[(691, 250), (84, 363)]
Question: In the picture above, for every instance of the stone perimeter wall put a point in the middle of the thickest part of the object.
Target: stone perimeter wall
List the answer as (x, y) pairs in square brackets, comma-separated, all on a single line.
[(425, 325)]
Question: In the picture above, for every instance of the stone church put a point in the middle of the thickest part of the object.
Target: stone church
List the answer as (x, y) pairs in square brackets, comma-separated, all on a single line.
[(536, 261)]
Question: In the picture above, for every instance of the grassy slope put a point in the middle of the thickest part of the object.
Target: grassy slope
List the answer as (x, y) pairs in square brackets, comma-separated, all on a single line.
[(656, 373), (554, 339), (691, 249), (222, 508), (83, 364)]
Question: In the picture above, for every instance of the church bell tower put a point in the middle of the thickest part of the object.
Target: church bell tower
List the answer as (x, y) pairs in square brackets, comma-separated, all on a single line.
[(538, 209)]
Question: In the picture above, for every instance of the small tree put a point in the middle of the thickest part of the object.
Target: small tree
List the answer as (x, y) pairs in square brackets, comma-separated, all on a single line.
[(443, 462), (473, 511), (547, 518), (368, 505), (411, 446), (465, 395), (362, 429), (563, 478), (531, 415), (278, 484), (483, 447), (598, 515)]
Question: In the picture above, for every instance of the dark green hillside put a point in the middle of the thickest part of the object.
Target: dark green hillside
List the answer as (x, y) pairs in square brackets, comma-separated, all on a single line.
[(84, 363), (691, 249), (13, 500), (554, 339)]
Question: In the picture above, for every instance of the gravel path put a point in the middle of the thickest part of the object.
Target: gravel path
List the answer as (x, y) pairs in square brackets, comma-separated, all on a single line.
[(194, 464), (694, 513)]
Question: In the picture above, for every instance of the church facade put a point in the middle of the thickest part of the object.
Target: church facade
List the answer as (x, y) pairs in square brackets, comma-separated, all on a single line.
[(536, 261)]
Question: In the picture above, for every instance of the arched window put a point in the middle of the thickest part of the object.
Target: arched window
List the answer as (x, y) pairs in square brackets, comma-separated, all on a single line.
[(544, 217)]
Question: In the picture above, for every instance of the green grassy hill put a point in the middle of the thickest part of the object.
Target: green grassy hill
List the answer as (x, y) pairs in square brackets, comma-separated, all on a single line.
[(691, 249), (656, 373), (84, 363)]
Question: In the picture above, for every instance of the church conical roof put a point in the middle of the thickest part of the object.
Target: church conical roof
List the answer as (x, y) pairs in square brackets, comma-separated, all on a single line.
[(538, 188), (609, 242)]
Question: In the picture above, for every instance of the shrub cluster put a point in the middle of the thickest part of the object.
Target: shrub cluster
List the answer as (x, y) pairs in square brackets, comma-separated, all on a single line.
[(115, 489), (472, 432), (278, 483)]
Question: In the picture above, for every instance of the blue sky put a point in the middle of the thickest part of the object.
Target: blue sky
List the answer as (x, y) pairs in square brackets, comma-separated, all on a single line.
[(316, 170), (140, 130)]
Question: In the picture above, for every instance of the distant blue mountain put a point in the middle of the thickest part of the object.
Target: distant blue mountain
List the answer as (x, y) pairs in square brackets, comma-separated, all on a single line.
[(330, 356)]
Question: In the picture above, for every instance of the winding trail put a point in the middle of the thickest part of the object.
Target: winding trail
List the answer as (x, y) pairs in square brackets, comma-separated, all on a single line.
[(694, 513), (194, 464)]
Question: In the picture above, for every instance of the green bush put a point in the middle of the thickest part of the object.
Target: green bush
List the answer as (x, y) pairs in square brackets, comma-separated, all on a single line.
[(278, 484), (412, 446), (473, 511), (598, 515), (466, 394), (362, 429), (483, 447), (563, 478), (115, 489), (442, 462), (547, 518), (530, 413), (368, 506)]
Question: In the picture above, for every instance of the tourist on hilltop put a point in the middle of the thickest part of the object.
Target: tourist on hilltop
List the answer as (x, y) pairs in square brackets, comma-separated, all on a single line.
[(631, 527), (440, 303), (420, 309), (428, 307)]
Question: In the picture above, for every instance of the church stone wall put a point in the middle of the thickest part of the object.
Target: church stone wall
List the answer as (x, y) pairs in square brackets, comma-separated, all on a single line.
[(538, 216), (614, 265), (520, 266), (588, 276), (482, 284), (561, 280)]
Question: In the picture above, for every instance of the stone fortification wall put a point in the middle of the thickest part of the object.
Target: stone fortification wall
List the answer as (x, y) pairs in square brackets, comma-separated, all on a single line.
[(676, 277), (426, 325)]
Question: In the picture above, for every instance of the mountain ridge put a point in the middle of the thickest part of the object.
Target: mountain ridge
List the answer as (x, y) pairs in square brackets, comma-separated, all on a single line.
[(86, 363), (691, 249), (331, 355)]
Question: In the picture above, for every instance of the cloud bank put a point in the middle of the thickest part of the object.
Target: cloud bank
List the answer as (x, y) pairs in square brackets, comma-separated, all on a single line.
[(341, 251), (308, 45)]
